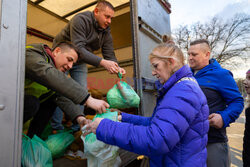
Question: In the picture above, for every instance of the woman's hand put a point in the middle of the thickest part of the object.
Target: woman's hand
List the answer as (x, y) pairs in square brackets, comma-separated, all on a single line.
[(91, 127), (119, 113), (81, 120)]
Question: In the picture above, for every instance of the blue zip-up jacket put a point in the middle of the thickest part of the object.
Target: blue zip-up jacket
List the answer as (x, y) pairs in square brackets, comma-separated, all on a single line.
[(223, 97), (175, 135)]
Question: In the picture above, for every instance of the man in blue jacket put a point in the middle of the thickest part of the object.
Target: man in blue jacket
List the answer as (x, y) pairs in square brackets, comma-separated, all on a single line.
[(224, 100)]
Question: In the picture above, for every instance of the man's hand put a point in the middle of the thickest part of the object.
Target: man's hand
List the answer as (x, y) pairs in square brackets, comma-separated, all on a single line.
[(121, 89), (215, 120), (98, 105), (81, 120), (92, 126), (122, 71), (111, 66)]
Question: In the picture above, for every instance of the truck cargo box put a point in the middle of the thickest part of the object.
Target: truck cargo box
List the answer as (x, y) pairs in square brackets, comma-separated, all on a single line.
[(138, 26)]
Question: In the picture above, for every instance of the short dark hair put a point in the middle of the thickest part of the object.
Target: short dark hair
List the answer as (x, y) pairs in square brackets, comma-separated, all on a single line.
[(65, 45), (199, 41), (103, 3)]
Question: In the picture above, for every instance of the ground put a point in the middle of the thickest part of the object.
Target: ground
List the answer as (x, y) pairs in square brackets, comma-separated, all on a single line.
[(235, 135)]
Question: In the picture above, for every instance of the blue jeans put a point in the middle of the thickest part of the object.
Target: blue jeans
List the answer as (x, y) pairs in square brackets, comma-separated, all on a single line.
[(79, 74)]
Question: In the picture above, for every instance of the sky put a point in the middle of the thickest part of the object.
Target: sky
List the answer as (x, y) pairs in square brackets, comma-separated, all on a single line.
[(191, 11), (187, 12)]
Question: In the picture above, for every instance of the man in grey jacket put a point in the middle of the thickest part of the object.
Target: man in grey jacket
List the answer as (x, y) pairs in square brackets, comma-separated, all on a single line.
[(88, 32), (47, 86)]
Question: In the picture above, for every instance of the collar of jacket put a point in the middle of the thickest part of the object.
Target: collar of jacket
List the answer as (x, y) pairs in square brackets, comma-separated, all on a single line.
[(182, 72), (213, 64), (49, 52), (96, 25)]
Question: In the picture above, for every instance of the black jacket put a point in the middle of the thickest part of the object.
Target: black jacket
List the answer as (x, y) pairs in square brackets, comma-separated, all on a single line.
[(246, 140)]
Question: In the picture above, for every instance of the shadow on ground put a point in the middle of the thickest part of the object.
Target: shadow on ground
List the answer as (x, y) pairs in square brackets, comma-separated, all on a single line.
[(236, 157)]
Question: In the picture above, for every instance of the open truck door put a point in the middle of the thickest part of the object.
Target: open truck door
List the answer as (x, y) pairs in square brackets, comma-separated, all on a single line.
[(12, 47), (138, 26), (150, 21)]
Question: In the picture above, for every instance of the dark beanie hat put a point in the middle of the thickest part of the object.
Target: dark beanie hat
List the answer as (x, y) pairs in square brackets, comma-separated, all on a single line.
[(248, 72)]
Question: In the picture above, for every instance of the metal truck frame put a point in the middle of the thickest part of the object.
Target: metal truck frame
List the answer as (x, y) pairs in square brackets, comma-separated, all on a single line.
[(149, 21)]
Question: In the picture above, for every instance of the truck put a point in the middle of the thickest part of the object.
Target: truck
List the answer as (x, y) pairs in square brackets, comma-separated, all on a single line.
[(138, 26)]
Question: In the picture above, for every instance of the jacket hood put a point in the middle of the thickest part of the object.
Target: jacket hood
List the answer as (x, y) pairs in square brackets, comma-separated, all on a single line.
[(182, 72)]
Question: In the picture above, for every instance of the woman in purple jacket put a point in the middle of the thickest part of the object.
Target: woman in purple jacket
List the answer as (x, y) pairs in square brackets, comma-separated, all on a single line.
[(176, 133)]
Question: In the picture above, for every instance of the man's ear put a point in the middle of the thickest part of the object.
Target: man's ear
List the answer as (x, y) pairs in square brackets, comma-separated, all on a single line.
[(96, 11), (56, 51), (208, 54)]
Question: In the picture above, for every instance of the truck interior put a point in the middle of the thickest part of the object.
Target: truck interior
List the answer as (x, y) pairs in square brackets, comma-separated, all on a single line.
[(45, 18), (137, 27)]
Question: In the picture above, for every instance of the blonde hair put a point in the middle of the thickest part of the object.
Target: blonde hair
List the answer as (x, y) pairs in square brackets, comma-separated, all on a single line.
[(168, 50)]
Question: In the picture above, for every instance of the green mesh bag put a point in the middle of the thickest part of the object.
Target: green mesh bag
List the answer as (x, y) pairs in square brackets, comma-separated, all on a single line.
[(58, 143), (126, 98), (98, 153), (35, 153), (91, 138), (46, 132)]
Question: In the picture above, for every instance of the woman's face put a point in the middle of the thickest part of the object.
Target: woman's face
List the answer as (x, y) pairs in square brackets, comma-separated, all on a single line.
[(247, 83), (161, 69)]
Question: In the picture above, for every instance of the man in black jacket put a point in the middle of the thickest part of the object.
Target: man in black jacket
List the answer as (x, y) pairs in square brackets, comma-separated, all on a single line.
[(88, 32)]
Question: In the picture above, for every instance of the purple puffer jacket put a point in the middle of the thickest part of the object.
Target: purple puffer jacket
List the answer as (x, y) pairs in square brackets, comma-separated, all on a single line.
[(175, 135)]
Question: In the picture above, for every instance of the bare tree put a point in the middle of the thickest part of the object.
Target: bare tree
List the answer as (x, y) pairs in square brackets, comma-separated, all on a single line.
[(228, 39)]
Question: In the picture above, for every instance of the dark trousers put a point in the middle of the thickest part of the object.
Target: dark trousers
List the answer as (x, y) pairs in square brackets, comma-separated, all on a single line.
[(41, 113), (246, 140), (31, 106), (218, 155)]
